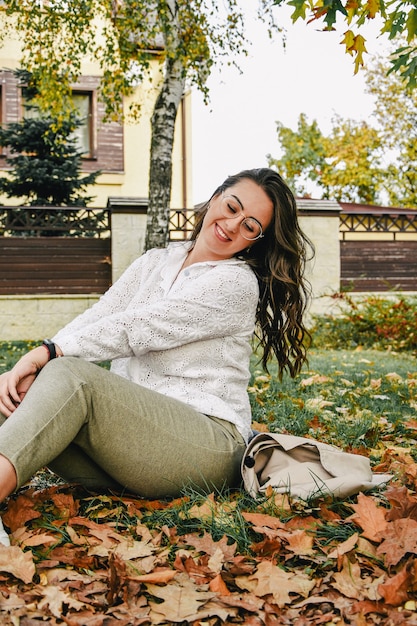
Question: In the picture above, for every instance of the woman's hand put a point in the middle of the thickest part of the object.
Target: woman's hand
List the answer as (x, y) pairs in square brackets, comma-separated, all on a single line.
[(15, 384)]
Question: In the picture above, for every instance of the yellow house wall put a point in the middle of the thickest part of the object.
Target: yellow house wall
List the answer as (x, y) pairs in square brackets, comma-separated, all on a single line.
[(134, 180), (36, 316)]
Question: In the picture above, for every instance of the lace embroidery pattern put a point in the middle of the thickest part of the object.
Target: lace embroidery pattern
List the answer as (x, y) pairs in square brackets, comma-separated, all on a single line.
[(186, 335)]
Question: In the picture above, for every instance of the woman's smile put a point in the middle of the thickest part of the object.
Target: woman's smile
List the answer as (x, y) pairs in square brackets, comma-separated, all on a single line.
[(221, 233)]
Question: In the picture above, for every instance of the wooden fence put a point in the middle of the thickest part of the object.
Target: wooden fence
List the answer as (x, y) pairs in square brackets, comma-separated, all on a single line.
[(54, 265), (68, 251), (378, 248), (52, 250)]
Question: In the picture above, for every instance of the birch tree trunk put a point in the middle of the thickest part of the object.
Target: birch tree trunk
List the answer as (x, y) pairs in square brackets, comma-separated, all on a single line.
[(160, 173), (163, 130)]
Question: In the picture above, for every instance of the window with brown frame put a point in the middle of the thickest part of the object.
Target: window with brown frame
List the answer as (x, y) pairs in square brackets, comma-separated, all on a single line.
[(83, 103), (84, 134)]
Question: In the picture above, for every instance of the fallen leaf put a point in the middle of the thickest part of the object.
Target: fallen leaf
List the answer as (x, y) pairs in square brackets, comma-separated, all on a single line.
[(318, 403), (344, 547), (269, 579), (205, 511), (16, 562), (348, 580), (181, 600), (130, 549), (19, 512), (261, 519), (39, 539), (314, 380), (66, 505), (268, 548), (375, 383), (54, 598), (395, 590), (370, 517), (393, 376), (300, 543), (207, 545), (402, 502), (156, 577), (217, 585), (400, 539)]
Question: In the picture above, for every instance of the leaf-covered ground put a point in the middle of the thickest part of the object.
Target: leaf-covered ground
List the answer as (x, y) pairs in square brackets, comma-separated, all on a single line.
[(87, 559)]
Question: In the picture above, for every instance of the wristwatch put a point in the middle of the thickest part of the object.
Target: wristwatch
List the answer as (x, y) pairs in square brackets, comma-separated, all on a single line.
[(50, 346)]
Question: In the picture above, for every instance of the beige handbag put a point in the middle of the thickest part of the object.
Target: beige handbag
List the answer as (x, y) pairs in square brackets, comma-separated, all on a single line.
[(305, 468)]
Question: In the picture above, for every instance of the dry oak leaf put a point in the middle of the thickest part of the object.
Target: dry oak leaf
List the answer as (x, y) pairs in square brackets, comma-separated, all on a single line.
[(32, 539), (182, 600), (16, 562), (268, 548), (370, 517), (130, 549), (103, 532), (400, 539), (11, 602), (245, 601), (158, 576), (57, 575), (269, 579), (367, 549)]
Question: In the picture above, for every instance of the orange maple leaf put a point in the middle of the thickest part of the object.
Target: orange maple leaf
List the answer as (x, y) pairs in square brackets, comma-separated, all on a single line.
[(299, 542), (20, 511), (261, 519), (400, 539), (269, 579), (395, 589), (370, 517), (217, 585)]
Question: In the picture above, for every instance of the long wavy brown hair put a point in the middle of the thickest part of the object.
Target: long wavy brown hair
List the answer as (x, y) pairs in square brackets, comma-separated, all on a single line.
[(278, 260)]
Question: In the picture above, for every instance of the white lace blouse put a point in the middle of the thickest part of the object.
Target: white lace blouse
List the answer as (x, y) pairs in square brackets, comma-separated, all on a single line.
[(185, 334)]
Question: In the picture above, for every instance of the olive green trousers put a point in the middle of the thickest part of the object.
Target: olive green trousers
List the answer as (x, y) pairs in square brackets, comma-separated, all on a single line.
[(93, 427)]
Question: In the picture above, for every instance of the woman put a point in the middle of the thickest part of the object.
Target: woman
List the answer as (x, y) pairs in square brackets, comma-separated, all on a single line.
[(177, 327)]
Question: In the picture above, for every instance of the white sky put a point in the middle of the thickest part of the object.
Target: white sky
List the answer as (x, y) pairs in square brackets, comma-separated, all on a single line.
[(312, 75)]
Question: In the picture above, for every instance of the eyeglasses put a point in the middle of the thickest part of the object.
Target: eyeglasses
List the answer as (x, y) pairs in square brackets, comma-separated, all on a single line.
[(250, 228)]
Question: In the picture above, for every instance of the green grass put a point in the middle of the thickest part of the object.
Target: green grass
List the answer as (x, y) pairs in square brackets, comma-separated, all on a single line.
[(353, 399)]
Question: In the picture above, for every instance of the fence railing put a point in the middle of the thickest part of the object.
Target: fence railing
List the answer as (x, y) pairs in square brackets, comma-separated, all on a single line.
[(39, 221), (181, 224), (378, 223), (96, 222), (77, 222)]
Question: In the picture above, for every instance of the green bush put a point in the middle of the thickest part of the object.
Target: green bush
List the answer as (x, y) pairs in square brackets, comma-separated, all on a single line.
[(371, 322)]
